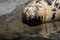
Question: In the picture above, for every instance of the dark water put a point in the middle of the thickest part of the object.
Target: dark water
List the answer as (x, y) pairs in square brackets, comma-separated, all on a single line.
[(12, 28)]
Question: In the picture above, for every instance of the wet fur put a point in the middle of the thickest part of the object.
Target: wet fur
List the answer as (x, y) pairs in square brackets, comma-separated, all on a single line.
[(49, 10)]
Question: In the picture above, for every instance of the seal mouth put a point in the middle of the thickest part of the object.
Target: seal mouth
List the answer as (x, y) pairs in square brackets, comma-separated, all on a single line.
[(31, 21)]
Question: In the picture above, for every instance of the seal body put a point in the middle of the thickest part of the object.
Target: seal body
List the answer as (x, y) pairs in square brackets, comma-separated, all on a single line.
[(43, 10)]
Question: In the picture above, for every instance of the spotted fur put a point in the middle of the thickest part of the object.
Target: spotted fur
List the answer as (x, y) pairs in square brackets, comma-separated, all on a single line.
[(49, 2), (47, 10)]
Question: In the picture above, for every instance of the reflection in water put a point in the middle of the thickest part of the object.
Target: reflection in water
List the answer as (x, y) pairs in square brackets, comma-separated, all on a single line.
[(12, 27)]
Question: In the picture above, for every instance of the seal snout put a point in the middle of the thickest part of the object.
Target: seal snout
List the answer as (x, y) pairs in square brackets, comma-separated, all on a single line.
[(31, 21)]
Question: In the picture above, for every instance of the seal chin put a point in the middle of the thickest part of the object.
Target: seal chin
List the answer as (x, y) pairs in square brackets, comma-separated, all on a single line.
[(31, 21)]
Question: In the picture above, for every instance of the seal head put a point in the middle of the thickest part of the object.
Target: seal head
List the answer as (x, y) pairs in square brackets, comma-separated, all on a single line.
[(31, 15)]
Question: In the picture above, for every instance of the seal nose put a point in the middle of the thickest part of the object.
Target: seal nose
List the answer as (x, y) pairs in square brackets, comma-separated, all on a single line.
[(32, 21)]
